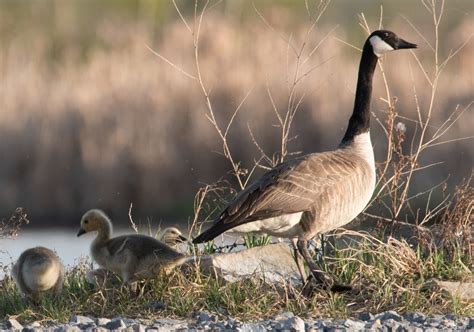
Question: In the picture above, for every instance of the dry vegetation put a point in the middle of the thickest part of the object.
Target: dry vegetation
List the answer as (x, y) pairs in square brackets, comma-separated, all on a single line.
[(109, 123), (203, 79)]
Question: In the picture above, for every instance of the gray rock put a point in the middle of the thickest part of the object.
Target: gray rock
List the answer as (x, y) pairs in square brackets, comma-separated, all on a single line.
[(137, 327), (100, 329), (375, 324), (433, 321), (353, 324), (291, 324), (32, 329), (366, 316), (251, 328), (462, 290), (78, 319), (274, 263), (470, 325), (415, 317), (284, 315), (115, 324), (389, 315), (203, 317), (102, 321), (392, 324), (13, 324), (67, 328), (128, 322)]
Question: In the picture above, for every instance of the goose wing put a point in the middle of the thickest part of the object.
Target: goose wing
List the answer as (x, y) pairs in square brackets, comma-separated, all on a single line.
[(290, 187)]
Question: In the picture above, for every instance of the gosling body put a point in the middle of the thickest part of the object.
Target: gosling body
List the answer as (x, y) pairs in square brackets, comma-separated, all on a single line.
[(133, 257), (38, 270)]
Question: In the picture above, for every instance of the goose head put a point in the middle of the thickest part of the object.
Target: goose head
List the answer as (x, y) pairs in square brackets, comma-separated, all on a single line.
[(94, 220), (383, 41)]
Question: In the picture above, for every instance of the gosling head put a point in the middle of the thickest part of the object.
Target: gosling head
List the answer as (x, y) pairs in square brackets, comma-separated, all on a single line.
[(383, 41), (172, 236), (94, 220)]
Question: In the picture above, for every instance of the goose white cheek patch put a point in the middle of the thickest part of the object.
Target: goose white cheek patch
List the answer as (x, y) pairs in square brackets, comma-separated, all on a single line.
[(380, 47)]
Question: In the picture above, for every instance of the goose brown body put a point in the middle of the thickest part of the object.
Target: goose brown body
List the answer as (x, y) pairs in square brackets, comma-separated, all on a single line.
[(318, 192), (315, 193)]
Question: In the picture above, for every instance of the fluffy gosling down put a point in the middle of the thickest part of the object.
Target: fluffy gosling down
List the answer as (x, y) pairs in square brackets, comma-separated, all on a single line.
[(134, 257), (38, 270)]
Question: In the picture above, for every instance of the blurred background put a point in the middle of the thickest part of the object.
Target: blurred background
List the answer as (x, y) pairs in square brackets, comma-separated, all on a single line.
[(91, 118)]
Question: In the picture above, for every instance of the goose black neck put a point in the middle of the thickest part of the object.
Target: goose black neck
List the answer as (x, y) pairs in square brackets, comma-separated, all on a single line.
[(359, 122)]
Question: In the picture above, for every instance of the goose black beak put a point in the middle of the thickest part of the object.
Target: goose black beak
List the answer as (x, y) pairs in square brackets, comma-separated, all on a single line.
[(81, 231), (404, 44)]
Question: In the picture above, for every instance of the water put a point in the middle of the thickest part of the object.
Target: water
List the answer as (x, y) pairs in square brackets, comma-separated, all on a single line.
[(70, 248), (64, 242)]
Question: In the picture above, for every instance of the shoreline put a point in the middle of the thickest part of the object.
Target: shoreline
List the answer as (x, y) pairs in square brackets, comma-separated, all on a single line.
[(389, 320)]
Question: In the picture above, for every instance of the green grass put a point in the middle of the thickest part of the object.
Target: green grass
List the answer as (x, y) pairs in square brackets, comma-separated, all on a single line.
[(386, 276)]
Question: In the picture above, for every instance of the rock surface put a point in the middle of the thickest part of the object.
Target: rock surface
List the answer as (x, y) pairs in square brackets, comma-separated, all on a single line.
[(274, 263), (463, 290), (287, 321)]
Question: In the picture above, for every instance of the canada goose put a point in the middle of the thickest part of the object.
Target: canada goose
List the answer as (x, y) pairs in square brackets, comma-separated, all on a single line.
[(172, 236), (133, 257), (38, 270), (318, 192)]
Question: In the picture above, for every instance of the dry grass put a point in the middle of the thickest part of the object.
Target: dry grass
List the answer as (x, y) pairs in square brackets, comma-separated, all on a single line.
[(386, 276), (240, 89), (106, 127)]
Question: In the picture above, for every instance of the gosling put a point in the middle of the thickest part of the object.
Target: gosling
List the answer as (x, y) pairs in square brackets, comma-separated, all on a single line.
[(133, 257), (172, 236), (38, 270)]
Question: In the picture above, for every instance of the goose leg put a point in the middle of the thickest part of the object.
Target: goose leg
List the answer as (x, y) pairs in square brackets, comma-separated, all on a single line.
[(298, 261), (319, 276)]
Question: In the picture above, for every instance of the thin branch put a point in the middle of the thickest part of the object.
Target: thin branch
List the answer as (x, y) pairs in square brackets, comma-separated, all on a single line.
[(182, 17), (171, 63)]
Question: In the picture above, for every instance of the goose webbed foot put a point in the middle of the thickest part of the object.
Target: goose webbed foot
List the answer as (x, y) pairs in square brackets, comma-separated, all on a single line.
[(318, 278)]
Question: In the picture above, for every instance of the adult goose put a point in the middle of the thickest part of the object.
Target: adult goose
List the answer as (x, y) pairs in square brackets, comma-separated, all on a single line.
[(133, 257), (318, 192), (38, 270)]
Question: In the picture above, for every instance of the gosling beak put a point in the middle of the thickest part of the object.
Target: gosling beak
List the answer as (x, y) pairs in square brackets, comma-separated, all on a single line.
[(182, 239), (81, 231), (404, 44)]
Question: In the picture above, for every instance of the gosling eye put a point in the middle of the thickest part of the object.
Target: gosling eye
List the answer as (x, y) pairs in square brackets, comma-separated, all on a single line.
[(86, 221)]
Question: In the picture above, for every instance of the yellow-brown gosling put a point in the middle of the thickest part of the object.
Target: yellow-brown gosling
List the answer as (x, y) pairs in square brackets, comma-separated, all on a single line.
[(172, 236), (134, 257), (38, 270)]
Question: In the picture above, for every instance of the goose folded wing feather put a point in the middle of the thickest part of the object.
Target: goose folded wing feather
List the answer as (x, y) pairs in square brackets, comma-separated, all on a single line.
[(288, 188)]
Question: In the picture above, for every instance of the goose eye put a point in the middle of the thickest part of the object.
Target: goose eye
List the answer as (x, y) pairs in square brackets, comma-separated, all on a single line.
[(385, 34)]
